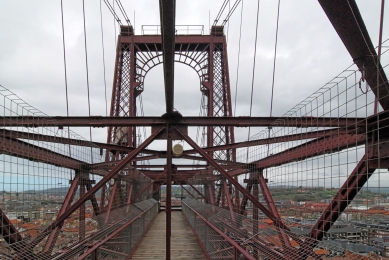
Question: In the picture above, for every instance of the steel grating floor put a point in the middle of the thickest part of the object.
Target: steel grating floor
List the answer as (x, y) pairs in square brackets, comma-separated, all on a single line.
[(183, 242)]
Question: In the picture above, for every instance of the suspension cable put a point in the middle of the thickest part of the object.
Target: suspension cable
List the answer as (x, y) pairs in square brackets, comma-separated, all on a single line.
[(274, 72), (114, 24), (112, 10), (237, 68), (231, 12), (123, 11), (253, 76), (275, 58), (222, 8), (379, 52), (64, 61), (102, 45), (66, 77), (379, 75), (87, 72)]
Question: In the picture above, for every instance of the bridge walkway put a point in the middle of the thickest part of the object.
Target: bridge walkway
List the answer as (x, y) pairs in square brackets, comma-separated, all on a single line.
[(183, 243)]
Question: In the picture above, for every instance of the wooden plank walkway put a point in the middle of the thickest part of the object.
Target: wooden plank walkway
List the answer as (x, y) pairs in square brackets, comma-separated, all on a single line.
[(183, 242)]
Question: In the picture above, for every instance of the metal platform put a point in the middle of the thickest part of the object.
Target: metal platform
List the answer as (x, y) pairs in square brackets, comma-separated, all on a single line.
[(184, 244)]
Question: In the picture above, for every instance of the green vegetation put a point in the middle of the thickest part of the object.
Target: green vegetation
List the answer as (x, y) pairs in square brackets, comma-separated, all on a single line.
[(302, 194), (317, 194)]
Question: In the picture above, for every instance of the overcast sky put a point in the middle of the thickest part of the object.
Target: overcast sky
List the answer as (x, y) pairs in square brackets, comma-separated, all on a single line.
[(310, 54)]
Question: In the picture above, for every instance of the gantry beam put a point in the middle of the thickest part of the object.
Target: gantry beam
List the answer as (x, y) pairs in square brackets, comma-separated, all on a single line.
[(100, 121), (348, 23), (35, 153), (167, 13), (272, 140), (311, 149), (71, 141)]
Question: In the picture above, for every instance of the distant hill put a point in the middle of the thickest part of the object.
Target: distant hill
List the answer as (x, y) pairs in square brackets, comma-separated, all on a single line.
[(380, 190), (52, 191), (59, 191)]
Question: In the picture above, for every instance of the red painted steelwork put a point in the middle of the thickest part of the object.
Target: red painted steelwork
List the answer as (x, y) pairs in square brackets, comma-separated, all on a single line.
[(81, 218), (202, 247), (8, 230), (111, 199), (100, 121), (312, 148), (348, 23), (50, 243), (38, 154), (233, 181), (229, 201), (188, 192), (243, 204), (272, 140), (272, 207), (167, 14), (168, 204), (24, 253), (93, 199), (343, 197), (62, 140), (198, 192), (149, 185), (221, 233), (102, 242)]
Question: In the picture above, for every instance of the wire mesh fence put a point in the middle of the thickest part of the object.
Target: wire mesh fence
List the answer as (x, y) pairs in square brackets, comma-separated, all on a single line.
[(241, 237), (321, 167), (46, 171)]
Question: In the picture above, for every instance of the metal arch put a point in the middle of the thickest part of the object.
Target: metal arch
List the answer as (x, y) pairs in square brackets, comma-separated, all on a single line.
[(145, 68)]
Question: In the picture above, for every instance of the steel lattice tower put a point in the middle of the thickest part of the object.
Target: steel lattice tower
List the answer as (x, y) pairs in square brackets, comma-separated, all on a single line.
[(136, 55)]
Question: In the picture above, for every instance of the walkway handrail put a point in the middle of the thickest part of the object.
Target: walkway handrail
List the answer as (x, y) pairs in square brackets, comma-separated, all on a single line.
[(234, 244)]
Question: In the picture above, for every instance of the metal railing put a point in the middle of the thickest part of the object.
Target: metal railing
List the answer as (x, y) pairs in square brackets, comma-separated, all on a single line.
[(180, 29), (223, 236), (117, 237), (214, 241)]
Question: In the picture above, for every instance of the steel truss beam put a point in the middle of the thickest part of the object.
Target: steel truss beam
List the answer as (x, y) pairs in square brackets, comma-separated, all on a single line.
[(32, 152), (100, 121), (233, 181), (348, 23), (311, 149), (304, 151), (62, 140), (24, 253), (272, 140), (343, 197)]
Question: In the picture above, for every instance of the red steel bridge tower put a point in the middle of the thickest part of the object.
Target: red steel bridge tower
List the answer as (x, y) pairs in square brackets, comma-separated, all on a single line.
[(136, 55), (112, 197)]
